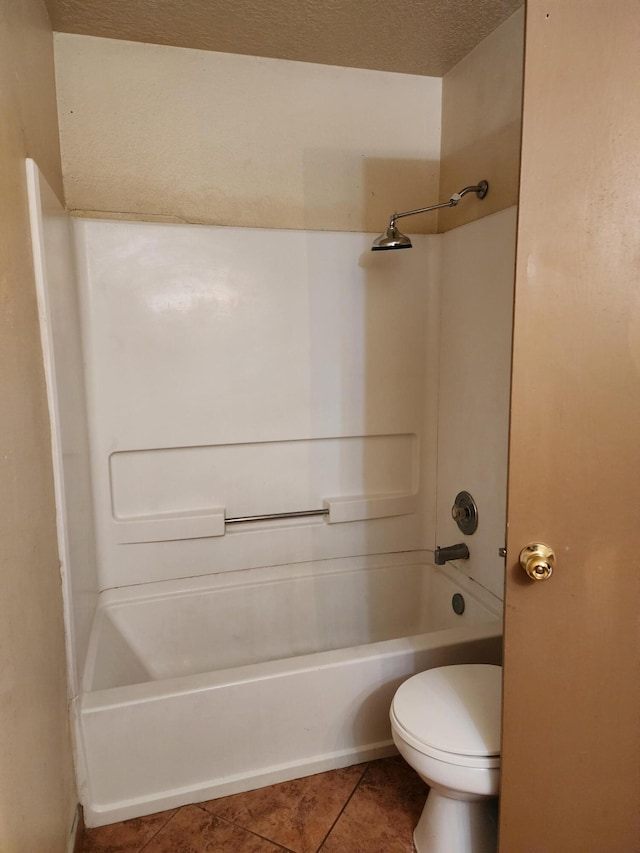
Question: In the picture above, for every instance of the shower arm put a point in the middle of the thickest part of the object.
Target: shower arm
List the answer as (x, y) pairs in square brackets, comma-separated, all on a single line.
[(479, 189)]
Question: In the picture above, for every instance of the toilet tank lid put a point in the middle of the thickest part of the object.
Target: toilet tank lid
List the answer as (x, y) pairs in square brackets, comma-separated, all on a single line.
[(453, 708)]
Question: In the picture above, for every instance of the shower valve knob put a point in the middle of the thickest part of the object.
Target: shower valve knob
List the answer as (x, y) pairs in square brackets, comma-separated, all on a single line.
[(538, 561), (465, 513)]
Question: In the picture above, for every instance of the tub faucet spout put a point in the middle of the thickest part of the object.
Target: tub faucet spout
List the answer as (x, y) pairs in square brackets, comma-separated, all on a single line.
[(451, 552)]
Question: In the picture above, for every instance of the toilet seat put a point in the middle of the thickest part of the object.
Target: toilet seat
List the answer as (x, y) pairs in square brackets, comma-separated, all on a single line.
[(482, 762), (452, 714)]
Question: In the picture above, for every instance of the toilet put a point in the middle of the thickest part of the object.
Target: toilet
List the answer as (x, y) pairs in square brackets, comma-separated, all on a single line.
[(446, 724)]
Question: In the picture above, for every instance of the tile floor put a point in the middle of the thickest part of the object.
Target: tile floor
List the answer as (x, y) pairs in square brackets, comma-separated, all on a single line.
[(368, 808)]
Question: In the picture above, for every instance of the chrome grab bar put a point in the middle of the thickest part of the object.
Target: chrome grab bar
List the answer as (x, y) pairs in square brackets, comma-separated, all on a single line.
[(275, 515)]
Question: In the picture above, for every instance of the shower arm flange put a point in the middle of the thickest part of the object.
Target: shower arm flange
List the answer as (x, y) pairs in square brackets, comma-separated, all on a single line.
[(480, 189)]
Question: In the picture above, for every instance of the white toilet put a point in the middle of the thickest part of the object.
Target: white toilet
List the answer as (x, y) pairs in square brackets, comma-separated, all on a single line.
[(446, 725)]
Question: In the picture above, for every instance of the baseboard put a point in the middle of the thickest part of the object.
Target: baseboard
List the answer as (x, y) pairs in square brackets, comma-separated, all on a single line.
[(76, 836)]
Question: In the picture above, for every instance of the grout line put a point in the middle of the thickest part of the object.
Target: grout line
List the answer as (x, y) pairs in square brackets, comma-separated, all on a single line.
[(366, 766), (213, 817), (347, 801), (242, 827), (165, 824), (250, 831)]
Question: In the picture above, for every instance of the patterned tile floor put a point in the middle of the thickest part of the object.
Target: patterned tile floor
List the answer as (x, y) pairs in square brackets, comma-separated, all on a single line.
[(368, 808)]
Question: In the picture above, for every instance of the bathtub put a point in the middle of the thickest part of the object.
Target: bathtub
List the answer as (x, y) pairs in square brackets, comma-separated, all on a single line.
[(205, 687)]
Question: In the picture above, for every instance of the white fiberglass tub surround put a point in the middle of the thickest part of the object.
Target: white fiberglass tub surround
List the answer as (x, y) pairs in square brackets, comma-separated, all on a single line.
[(191, 694), (233, 372)]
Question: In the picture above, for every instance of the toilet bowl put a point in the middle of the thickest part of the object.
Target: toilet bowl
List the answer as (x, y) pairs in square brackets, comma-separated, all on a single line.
[(446, 724)]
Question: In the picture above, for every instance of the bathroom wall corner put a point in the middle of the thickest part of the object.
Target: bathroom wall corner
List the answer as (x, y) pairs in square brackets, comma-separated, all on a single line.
[(481, 124)]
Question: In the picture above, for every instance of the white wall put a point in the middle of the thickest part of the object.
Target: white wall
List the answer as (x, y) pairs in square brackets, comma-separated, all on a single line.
[(256, 371), (153, 131), (247, 371), (60, 329), (478, 263)]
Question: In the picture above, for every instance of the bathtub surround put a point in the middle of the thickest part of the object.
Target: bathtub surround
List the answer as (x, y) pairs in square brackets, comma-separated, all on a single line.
[(60, 327), (475, 374), (37, 789), (208, 401), (310, 411)]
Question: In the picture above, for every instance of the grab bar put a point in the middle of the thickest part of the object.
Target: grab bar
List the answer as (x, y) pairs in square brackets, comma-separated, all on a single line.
[(207, 523), (271, 516)]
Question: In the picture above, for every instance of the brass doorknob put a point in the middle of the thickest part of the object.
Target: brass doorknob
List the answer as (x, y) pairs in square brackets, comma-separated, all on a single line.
[(538, 561)]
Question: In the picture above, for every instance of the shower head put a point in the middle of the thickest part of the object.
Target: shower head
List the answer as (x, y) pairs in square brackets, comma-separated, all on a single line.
[(391, 239), (394, 239)]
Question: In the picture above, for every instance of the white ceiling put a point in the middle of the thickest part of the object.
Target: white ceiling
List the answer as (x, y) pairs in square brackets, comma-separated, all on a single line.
[(410, 36)]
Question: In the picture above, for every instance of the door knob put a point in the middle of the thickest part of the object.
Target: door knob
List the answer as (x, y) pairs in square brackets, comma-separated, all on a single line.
[(538, 561)]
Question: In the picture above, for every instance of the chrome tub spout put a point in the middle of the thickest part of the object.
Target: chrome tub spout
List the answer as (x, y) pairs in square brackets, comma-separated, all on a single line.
[(451, 552)]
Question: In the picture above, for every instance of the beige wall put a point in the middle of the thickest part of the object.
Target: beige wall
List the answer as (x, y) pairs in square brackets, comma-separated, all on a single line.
[(481, 121), (37, 791), (155, 131)]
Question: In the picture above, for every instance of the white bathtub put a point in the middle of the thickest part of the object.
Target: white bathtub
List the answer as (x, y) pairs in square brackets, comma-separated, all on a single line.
[(188, 697)]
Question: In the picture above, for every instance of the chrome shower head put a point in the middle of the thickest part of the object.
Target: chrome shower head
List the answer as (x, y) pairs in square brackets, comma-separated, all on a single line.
[(394, 239), (391, 239)]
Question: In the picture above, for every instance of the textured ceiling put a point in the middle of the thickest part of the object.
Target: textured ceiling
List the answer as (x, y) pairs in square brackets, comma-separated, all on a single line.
[(412, 37)]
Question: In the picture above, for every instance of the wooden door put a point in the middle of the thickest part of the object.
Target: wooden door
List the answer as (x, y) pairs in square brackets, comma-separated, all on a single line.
[(571, 720)]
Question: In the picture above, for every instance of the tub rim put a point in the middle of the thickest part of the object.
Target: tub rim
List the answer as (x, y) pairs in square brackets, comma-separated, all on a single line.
[(153, 689)]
